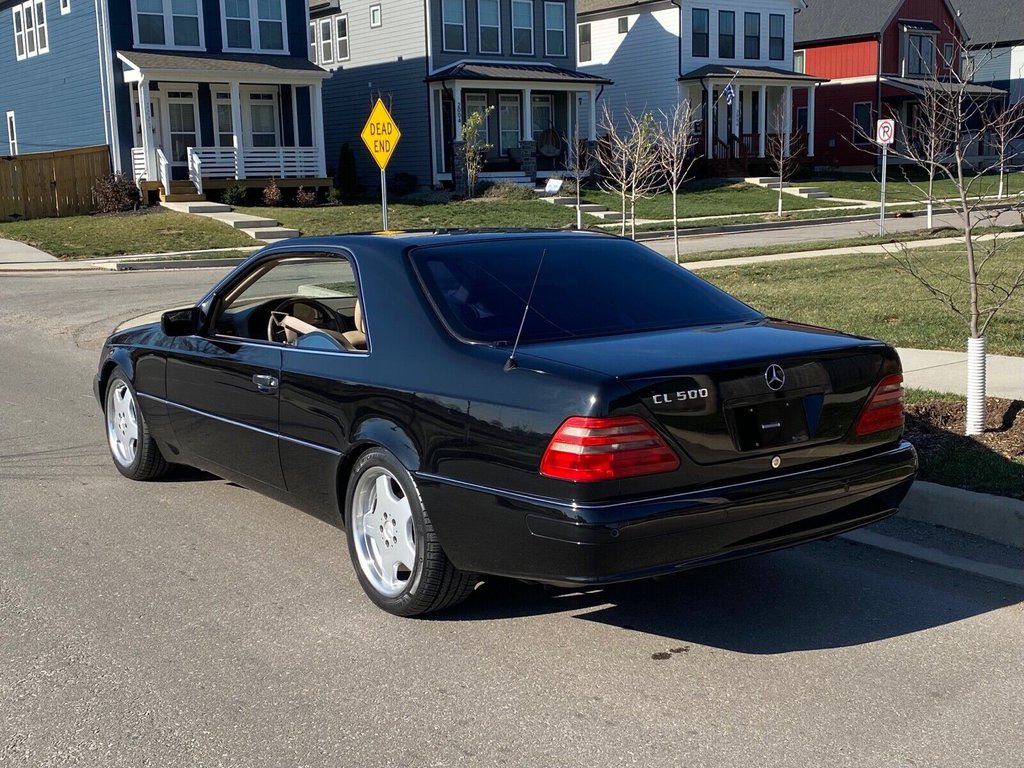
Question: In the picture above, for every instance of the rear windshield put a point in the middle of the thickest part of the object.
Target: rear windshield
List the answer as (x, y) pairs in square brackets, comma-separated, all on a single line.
[(585, 287)]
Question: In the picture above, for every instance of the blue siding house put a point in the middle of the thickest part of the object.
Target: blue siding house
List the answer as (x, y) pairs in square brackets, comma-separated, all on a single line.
[(434, 62), (189, 94)]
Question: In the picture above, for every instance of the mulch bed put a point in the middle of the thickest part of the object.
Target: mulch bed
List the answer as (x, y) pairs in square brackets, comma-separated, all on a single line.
[(936, 428)]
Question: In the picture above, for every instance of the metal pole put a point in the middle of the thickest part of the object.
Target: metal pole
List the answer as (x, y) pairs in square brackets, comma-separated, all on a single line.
[(881, 214), (384, 199)]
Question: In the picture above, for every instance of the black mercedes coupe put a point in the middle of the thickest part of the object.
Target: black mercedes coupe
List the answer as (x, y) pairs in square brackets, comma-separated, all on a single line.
[(558, 407)]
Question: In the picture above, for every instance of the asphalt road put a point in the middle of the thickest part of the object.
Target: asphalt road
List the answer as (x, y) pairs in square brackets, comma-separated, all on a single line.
[(816, 232), (194, 623)]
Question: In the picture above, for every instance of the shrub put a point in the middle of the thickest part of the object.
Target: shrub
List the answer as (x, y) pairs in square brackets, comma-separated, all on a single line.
[(430, 197), (305, 198), (272, 194), (236, 194), (114, 193), (505, 190), (334, 195), (347, 180), (404, 184)]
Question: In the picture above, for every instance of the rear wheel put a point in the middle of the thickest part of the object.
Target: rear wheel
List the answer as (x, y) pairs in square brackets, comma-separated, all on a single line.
[(395, 552), (134, 452)]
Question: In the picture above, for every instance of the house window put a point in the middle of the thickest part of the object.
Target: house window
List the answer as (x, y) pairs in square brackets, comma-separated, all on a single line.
[(554, 29), (489, 19), (65, 7), (341, 34), (862, 123), (326, 42), (522, 27), (947, 55), (312, 41), (263, 31), (12, 134), (776, 37), (263, 119), (801, 120), (623, 24), (542, 115), (168, 22), (751, 35), (376, 16), (477, 102), (453, 16), (726, 34), (799, 62), (699, 39), (509, 121), (920, 58), (30, 30), (224, 120), (585, 51)]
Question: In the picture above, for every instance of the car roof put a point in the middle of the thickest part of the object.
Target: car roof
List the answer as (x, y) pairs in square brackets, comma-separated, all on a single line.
[(420, 238)]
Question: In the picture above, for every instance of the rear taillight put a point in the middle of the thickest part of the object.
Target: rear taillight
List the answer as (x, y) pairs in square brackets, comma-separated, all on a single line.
[(884, 410), (587, 450)]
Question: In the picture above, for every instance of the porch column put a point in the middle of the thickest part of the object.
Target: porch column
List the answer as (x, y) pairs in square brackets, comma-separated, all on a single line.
[(787, 120), (810, 119), (527, 134), (592, 128), (145, 114), (236, 129), (709, 127), (762, 119), (295, 115), (317, 94), (457, 98)]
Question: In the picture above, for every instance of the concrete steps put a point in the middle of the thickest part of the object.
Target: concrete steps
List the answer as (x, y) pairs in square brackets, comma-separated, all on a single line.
[(256, 227), (767, 182), (506, 177)]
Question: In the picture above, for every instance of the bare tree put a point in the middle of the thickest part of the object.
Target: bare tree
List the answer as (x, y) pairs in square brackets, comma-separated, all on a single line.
[(947, 142), (645, 178), (475, 146), (1007, 137), (577, 164), (615, 162), (783, 160), (677, 140)]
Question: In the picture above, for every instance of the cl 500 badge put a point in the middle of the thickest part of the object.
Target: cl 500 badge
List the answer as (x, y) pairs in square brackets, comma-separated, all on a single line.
[(683, 396)]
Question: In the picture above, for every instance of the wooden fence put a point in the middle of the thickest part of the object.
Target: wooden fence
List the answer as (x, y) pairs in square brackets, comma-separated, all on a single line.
[(46, 184)]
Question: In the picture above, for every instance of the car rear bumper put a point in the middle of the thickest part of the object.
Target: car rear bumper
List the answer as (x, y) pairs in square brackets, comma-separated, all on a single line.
[(490, 531)]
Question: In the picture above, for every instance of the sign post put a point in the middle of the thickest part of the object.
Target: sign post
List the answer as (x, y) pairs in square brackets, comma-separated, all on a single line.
[(381, 135), (885, 131)]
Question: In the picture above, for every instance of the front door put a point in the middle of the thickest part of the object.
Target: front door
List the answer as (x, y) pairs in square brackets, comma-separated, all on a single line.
[(180, 129)]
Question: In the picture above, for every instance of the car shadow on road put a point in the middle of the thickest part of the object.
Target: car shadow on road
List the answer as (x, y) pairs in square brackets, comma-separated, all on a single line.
[(824, 595)]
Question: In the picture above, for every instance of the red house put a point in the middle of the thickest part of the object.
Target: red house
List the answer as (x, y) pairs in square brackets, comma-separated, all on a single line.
[(879, 57)]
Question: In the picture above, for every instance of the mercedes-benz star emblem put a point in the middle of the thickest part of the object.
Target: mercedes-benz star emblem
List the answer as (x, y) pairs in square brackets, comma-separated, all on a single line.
[(775, 377)]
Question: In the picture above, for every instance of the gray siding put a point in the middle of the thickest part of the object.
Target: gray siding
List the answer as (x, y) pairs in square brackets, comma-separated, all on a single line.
[(388, 62), (442, 58), (55, 96)]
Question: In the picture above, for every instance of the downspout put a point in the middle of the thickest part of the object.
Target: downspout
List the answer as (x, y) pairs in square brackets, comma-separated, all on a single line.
[(679, 42), (430, 123), (103, 77)]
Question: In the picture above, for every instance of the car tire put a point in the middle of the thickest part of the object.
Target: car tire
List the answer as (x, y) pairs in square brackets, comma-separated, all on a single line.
[(395, 552), (135, 453)]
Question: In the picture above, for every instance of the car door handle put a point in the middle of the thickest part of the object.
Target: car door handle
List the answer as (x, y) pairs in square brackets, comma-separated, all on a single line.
[(265, 383)]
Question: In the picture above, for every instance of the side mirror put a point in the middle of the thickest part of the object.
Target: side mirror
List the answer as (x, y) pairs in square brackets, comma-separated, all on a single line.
[(180, 322)]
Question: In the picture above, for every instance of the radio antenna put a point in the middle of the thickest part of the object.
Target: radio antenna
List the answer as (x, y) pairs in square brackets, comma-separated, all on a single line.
[(511, 362)]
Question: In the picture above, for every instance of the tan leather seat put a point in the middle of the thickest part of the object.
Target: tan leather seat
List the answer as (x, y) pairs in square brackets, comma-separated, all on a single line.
[(353, 341), (357, 338)]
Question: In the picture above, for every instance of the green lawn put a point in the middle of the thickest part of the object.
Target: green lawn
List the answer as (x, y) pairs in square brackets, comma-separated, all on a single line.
[(708, 199), (872, 295), (79, 237), (898, 189), (328, 220)]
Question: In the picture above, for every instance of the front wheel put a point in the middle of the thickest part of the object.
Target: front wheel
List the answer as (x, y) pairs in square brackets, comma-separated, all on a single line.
[(135, 454), (395, 552)]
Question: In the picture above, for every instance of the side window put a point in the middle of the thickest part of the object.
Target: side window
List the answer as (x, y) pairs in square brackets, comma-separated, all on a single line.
[(308, 302)]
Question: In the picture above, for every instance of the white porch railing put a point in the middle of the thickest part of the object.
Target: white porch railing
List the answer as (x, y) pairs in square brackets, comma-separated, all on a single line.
[(165, 171), (259, 162), (139, 170), (195, 170)]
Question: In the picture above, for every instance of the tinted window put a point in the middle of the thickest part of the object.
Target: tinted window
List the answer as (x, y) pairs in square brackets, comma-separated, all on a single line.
[(585, 287)]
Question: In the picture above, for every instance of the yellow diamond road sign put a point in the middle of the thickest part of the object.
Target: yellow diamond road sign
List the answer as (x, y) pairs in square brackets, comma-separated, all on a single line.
[(381, 134)]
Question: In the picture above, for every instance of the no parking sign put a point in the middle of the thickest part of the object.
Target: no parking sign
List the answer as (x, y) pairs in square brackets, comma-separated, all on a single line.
[(885, 131)]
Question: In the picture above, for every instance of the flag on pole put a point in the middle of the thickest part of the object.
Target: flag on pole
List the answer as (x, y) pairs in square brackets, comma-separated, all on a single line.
[(729, 93)]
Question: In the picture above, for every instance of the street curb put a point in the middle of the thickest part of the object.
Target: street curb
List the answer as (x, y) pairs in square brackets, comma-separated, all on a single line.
[(140, 266), (868, 538), (995, 518)]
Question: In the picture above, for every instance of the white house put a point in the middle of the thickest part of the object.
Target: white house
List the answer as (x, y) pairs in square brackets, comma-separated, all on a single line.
[(733, 59)]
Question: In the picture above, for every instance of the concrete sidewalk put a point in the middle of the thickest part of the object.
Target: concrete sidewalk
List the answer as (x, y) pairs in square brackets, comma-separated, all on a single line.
[(14, 252), (947, 372)]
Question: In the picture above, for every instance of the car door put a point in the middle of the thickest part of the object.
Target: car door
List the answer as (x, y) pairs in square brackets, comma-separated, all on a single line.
[(224, 404)]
